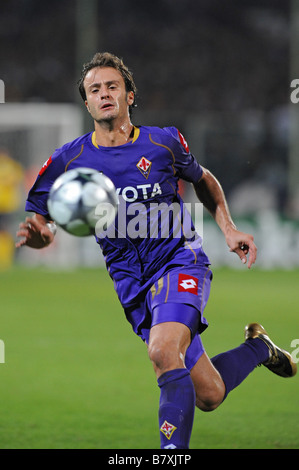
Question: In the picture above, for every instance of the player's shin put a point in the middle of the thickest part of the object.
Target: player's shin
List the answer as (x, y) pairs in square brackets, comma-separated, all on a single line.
[(176, 411)]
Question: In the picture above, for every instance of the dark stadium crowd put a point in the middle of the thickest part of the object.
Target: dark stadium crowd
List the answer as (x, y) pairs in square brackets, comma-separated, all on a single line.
[(189, 59)]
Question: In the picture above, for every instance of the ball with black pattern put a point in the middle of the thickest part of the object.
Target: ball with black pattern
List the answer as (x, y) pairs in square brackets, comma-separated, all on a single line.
[(80, 199)]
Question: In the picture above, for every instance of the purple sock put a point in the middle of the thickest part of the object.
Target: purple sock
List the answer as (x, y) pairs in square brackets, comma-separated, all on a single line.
[(176, 411), (235, 365)]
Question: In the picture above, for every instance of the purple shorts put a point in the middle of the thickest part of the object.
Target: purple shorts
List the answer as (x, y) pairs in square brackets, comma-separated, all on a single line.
[(180, 296)]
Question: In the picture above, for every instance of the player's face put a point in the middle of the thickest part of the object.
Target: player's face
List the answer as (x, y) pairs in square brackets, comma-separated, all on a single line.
[(106, 95)]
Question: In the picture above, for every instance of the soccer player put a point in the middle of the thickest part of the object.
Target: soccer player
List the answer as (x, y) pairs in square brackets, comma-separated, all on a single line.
[(162, 282)]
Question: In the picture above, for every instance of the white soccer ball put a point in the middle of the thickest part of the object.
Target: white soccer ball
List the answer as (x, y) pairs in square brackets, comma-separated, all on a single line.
[(83, 202)]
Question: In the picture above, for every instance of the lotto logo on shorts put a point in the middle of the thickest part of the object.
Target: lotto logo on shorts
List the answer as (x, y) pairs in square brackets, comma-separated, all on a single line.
[(187, 283), (167, 429)]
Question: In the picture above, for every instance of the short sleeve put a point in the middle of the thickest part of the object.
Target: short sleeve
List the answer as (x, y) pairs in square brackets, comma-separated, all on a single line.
[(185, 164), (38, 194)]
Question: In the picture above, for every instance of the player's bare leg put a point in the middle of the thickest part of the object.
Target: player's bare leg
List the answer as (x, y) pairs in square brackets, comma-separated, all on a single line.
[(167, 347), (168, 344), (208, 384)]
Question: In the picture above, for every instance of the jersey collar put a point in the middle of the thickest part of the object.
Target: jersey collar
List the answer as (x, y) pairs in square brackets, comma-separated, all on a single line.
[(135, 137)]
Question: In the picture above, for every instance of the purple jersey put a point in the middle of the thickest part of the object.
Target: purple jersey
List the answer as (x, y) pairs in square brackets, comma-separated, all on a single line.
[(144, 171)]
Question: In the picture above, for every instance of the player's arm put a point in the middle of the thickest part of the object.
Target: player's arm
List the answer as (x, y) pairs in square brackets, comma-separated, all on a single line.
[(210, 193), (39, 231), (36, 232)]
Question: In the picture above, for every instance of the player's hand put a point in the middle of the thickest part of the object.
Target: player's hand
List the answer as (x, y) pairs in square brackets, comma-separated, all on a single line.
[(34, 232), (243, 245)]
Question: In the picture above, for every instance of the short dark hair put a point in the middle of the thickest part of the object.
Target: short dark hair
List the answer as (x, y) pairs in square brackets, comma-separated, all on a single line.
[(106, 59)]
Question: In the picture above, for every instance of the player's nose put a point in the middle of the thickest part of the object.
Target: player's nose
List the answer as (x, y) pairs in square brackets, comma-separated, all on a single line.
[(105, 93)]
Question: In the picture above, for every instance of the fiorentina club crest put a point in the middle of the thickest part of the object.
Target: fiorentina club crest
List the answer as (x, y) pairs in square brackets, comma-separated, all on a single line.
[(144, 165), (167, 429)]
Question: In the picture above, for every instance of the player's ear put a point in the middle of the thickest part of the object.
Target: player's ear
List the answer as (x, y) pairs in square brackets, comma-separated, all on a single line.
[(86, 104), (130, 98)]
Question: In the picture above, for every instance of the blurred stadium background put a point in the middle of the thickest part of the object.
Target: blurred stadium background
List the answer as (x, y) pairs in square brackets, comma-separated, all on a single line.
[(220, 72)]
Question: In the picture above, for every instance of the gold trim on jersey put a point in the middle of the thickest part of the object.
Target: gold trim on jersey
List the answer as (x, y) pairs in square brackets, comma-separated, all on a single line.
[(156, 291), (165, 147), (135, 137), (68, 163), (167, 292), (136, 134), (93, 139)]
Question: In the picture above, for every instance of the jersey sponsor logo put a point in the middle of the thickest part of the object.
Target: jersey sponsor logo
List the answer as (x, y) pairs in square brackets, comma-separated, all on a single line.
[(187, 283), (141, 191), (45, 166), (144, 166), (167, 429), (183, 142)]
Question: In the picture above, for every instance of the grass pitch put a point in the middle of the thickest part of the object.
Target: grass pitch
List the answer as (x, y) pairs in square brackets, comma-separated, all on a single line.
[(76, 377)]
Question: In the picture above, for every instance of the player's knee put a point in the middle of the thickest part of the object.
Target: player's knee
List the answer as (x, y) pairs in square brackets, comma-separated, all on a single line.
[(159, 356), (209, 401), (164, 356)]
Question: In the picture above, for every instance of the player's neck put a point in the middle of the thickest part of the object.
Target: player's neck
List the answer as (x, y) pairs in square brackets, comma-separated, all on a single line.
[(108, 134)]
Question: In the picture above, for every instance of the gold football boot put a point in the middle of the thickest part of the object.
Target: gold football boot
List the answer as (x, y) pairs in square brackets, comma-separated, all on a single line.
[(280, 362)]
